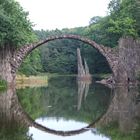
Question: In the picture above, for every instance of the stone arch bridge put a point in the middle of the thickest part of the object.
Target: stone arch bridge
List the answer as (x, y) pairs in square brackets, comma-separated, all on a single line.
[(123, 60)]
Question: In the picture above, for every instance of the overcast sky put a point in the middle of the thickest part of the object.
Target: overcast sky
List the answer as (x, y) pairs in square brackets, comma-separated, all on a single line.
[(52, 14)]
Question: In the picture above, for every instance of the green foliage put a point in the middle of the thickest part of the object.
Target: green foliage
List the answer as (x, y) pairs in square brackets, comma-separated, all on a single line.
[(32, 64), (123, 20), (30, 101), (126, 15), (123, 27), (95, 20), (64, 101), (16, 30), (99, 32), (59, 99), (13, 130), (15, 27), (60, 56), (113, 131), (3, 84)]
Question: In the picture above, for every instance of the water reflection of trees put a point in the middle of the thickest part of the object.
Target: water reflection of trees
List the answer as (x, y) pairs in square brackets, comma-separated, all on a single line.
[(60, 98), (15, 118), (122, 120), (15, 121), (11, 125)]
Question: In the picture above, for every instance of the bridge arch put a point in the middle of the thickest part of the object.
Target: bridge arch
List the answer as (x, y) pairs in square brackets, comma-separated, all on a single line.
[(25, 50)]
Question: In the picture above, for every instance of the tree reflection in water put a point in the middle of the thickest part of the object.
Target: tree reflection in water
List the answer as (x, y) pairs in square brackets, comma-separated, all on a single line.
[(124, 110), (13, 113), (122, 119), (12, 124)]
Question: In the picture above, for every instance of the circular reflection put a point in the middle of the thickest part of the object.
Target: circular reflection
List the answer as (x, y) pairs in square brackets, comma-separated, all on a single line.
[(41, 127), (61, 97), (13, 116), (61, 123)]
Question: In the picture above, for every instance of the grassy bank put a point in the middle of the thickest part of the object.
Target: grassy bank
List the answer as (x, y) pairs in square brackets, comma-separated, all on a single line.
[(102, 75), (23, 81)]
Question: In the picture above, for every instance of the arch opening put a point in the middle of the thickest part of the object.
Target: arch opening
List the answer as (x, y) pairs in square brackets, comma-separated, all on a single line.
[(24, 51)]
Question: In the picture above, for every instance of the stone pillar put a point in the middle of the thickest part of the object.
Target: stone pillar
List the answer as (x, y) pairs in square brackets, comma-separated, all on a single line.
[(129, 61), (5, 65)]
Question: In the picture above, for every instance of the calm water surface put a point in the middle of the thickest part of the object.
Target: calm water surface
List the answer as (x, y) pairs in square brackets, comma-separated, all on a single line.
[(69, 110)]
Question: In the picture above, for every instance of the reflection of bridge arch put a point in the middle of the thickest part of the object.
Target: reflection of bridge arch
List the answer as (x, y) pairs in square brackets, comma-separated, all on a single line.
[(24, 117), (120, 109), (20, 54), (15, 111)]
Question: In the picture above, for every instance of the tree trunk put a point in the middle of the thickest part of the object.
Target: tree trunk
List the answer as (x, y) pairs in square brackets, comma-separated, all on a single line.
[(6, 54)]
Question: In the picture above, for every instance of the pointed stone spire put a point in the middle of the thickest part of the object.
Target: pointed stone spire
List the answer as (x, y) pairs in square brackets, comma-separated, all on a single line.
[(86, 67), (81, 70)]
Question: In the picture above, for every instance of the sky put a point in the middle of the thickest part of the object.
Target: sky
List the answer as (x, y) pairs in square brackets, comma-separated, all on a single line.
[(52, 14)]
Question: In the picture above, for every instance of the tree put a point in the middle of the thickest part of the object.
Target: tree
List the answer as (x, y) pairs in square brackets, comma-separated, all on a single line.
[(123, 20), (125, 17), (32, 65), (15, 27), (114, 6), (15, 31), (95, 20), (60, 56), (99, 32)]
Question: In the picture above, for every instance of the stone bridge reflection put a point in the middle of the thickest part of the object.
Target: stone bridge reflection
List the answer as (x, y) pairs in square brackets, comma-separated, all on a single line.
[(123, 108), (12, 110)]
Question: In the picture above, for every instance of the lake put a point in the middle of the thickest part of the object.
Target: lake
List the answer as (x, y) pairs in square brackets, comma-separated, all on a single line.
[(67, 109)]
